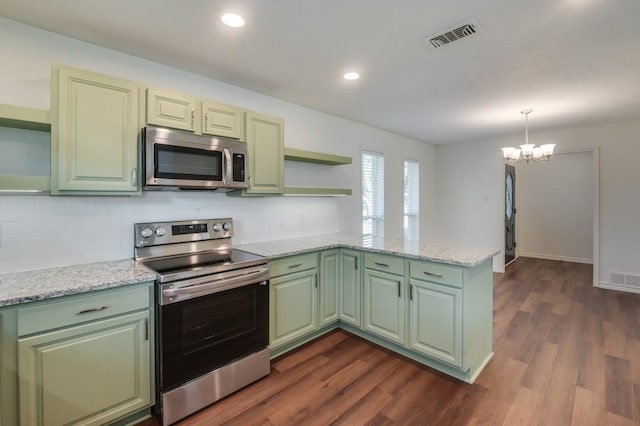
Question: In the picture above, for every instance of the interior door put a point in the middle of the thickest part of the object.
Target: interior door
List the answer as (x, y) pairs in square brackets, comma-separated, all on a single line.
[(510, 213)]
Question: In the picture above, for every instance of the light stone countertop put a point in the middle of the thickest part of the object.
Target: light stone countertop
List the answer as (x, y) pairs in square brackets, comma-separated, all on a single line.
[(437, 252), (42, 284)]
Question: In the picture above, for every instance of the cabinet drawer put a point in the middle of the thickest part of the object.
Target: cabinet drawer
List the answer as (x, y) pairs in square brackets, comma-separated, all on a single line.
[(427, 271), (79, 309), (378, 262), (291, 264)]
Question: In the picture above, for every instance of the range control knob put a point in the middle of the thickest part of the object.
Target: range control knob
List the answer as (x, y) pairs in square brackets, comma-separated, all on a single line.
[(216, 227), (146, 232), (160, 232), (226, 226)]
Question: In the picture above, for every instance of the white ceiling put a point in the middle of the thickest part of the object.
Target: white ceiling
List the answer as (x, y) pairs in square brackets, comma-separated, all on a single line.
[(574, 62)]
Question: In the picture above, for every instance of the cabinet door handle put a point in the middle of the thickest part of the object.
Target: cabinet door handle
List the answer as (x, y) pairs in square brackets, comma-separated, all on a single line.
[(193, 119), (295, 266), (410, 292), (431, 274), (356, 263), (134, 177), (206, 121), (399, 294), (315, 278), (381, 264), (146, 329), (89, 310)]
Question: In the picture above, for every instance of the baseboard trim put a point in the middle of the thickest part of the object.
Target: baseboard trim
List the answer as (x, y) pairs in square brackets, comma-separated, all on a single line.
[(554, 257), (617, 287)]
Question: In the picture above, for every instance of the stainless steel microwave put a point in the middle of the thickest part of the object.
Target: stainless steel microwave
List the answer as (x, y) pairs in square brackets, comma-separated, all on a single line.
[(175, 159)]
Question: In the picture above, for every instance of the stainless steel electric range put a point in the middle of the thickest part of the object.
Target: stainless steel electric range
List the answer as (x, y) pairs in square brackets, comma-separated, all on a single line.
[(212, 326)]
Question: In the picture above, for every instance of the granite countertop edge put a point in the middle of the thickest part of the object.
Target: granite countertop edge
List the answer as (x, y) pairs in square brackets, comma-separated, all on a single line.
[(278, 249), (45, 284)]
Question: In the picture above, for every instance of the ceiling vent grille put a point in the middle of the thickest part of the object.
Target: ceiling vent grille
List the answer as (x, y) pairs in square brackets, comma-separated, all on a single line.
[(453, 34)]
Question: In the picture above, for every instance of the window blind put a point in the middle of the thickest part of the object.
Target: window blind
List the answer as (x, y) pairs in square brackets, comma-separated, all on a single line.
[(372, 194), (411, 200)]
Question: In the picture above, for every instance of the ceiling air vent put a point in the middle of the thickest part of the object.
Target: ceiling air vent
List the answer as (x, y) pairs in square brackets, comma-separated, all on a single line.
[(456, 33)]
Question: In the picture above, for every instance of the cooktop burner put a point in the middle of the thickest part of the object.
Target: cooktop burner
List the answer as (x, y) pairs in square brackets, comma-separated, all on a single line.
[(186, 249), (195, 264)]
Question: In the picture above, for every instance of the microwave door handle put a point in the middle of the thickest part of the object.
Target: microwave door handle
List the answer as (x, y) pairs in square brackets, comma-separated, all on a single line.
[(228, 168)]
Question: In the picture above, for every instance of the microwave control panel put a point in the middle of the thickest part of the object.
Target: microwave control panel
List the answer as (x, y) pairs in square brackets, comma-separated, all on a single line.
[(238, 167)]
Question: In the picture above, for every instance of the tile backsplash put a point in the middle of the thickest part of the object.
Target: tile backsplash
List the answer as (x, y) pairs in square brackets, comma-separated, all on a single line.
[(44, 231)]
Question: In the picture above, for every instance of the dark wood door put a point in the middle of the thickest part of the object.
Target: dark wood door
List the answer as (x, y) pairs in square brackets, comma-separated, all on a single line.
[(509, 213)]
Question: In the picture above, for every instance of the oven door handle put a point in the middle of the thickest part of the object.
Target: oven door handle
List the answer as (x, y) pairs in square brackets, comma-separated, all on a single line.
[(173, 295)]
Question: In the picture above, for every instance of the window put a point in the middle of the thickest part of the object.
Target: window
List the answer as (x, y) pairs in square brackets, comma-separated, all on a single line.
[(411, 200), (372, 194)]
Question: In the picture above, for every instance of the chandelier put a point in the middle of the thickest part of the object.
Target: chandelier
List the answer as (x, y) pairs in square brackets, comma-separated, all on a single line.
[(528, 151)]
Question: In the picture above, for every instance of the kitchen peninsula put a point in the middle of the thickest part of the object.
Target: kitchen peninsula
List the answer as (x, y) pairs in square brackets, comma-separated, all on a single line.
[(431, 302)]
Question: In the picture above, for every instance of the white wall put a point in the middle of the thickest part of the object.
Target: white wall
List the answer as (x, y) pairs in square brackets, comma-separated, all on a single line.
[(46, 231), (554, 200), (476, 169)]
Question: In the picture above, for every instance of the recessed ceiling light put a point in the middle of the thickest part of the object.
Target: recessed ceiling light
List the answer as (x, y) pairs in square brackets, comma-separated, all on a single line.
[(232, 20), (351, 76)]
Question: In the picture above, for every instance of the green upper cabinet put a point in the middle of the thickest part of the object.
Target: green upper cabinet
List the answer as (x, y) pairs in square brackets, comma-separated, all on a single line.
[(94, 133), (328, 288), (176, 110), (222, 120), (265, 139), (171, 109)]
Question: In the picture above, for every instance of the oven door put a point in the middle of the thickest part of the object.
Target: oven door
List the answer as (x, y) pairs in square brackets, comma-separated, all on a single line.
[(200, 334)]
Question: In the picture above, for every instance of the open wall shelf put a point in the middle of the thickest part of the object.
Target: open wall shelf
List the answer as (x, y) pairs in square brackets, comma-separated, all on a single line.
[(25, 118), (300, 155), (299, 191)]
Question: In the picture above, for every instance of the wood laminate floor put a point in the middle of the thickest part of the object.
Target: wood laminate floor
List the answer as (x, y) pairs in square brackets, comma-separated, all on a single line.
[(566, 353)]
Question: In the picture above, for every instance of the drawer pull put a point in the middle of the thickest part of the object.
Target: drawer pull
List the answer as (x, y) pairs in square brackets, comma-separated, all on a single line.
[(96, 309), (381, 264), (295, 266), (431, 274)]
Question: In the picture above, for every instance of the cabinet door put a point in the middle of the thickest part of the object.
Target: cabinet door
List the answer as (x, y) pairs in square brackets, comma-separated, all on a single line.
[(265, 144), (350, 287), (171, 109), (94, 132), (91, 374), (222, 120), (384, 305), (435, 321), (293, 307), (328, 287)]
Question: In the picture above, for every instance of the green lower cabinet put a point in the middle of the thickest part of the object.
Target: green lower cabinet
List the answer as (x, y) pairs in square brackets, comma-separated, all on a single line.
[(349, 288), (89, 374), (328, 287), (85, 359), (435, 321), (294, 307), (384, 305), (437, 314)]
